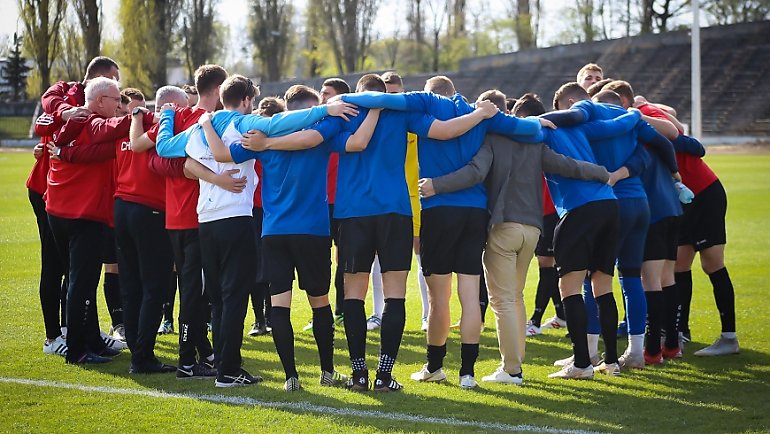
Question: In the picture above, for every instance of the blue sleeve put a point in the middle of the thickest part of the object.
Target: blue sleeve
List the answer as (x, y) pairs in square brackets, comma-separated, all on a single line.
[(328, 127), (419, 123), (587, 107), (566, 118), (282, 123), (537, 138), (607, 129), (689, 145), (392, 101), (241, 154), (167, 145), (338, 142), (638, 161), (510, 126), (658, 144)]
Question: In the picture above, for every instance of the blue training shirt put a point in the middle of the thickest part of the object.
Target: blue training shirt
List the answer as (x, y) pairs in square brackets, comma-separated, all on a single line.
[(293, 189), (373, 182)]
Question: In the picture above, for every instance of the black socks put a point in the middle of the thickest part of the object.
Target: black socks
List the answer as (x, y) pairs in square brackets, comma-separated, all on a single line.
[(323, 332), (608, 318), (575, 310), (283, 337), (724, 295)]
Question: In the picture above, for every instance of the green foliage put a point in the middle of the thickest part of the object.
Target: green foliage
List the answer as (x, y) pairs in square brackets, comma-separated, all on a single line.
[(15, 127), (724, 394), (135, 53)]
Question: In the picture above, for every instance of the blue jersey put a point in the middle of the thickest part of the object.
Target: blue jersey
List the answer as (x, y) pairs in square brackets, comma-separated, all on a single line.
[(613, 152), (373, 182), (658, 183), (440, 157), (293, 189), (568, 193)]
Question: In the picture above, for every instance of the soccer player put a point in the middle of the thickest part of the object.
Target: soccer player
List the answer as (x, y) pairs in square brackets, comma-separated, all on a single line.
[(196, 356), (226, 227), (296, 232), (78, 204), (702, 230), (513, 173)]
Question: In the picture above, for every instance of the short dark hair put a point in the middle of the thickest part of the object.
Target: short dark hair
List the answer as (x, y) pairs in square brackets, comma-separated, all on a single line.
[(270, 105), (339, 85), (235, 89), (622, 88), (496, 97), (392, 77), (99, 65), (609, 97), (509, 103), (190, 90), (597, 87), (441, 85), (569, 90), (208, 77), (371, 82), (124, 99), (132, 93), (300, 94), (528, 104)]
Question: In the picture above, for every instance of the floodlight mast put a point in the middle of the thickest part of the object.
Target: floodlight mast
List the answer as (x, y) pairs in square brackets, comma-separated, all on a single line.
[(696, 114)]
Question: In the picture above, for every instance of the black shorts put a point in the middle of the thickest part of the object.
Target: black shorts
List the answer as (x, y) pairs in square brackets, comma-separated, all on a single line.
[(452, 239), (260, 264), (310, 255), (388, 235), (703, 223), (545, 242), (586, 238), (109, 247), (662, 238)]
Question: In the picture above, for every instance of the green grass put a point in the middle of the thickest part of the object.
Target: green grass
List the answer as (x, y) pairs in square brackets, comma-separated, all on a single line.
[(694, 394), (15, 127)]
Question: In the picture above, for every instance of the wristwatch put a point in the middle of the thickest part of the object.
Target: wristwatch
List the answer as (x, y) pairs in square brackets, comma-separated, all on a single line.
[(56, 151), (136, 111)]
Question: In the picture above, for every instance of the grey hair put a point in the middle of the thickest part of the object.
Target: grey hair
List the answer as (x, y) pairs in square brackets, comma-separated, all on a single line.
[(97, 86), (170, 94)]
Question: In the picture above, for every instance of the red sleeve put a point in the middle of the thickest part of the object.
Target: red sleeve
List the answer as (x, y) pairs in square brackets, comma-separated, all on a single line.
[(109, 129), (169, 167), (88, 153), (53, 100), (46, 125), (69, 131)]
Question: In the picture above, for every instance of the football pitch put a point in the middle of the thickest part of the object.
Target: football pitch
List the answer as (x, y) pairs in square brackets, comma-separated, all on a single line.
[(39, 393)]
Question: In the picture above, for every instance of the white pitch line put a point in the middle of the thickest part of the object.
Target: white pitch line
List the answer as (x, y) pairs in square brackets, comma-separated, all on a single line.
[(297, 406)]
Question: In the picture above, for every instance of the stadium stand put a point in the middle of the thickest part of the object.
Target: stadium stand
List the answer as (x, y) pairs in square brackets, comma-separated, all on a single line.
[(735, 64)]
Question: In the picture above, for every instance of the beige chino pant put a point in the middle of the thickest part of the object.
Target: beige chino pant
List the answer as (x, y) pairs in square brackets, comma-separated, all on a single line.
[(510, 248)]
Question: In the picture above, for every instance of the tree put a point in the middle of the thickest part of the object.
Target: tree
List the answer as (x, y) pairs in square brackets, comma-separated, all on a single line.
[(657, 13), (164, 16), (522, 25), (585, 10), (271, 33), (16, 70), (73, 60), (42, 20), (134, 57), (198, 34), (738, 11), (349, 30), (89, 16)]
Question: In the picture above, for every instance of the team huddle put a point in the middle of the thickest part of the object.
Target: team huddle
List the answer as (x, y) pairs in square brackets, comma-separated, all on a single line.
[(234, 202)]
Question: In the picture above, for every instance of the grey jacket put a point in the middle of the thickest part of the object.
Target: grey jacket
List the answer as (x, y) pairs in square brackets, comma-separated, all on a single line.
[(513, 172)]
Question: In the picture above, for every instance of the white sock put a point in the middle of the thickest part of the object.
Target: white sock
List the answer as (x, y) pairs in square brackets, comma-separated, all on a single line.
[(423, 287), (729, 335), (593, 345), (636, 344), (378, 297)]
